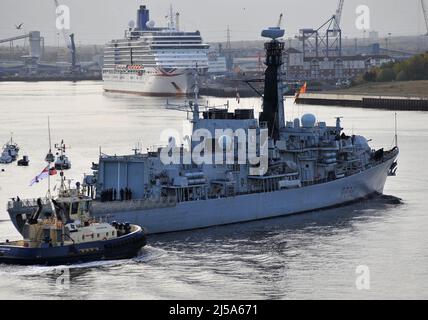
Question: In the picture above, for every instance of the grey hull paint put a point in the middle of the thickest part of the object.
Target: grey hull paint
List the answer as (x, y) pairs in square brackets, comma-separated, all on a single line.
[(244, 208)]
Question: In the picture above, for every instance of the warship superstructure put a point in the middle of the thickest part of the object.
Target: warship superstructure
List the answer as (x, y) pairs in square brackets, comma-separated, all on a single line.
[(155, 61), (258, 168)]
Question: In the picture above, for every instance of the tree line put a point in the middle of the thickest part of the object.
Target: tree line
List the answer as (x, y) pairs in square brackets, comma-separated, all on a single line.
[(415, 68)]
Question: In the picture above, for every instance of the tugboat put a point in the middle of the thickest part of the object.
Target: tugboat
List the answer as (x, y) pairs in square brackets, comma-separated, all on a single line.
[(61, 232), (69, 237), (62, 162), (10, 152)]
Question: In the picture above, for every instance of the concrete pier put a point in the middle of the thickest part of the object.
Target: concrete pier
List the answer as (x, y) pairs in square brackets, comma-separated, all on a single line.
[(359, 101)]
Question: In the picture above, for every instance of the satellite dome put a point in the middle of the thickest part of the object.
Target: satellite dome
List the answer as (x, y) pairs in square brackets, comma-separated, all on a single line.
[(308, 120), (150, 24)]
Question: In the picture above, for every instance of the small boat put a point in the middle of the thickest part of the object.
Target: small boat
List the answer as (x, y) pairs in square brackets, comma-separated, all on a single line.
[(66, 238), (24, 162), (62, 162), (9, 152), (5, 158)]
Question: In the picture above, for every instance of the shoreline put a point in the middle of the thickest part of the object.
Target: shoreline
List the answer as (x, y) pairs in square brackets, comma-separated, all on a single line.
[(384, 102), (404, 96)]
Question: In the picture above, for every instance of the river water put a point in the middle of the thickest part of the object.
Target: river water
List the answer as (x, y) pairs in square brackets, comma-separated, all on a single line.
[(309, 256)]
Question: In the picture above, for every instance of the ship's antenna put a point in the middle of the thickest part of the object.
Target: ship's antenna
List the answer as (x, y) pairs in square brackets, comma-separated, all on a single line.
[(50, 151), (49, 133), (396, 130), (196, 77), (49, 158)]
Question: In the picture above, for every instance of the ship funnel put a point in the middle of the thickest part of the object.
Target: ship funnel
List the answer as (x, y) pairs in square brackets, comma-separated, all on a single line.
[(273, 99), (143, 17)]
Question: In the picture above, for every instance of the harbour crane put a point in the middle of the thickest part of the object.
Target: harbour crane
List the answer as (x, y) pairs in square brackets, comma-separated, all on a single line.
[(425, 12), (327, 39), (281, 16), (338, 15), (25, 36)]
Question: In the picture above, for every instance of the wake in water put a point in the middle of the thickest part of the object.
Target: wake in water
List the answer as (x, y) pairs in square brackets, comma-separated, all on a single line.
[(146, 255), (256, 231)]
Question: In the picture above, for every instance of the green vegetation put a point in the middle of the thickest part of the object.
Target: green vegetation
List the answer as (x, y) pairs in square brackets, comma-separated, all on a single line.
[(415, 68)]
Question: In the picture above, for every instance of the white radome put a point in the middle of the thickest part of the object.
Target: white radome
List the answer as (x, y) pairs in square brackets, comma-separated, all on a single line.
[(309, 120), (151, 24)]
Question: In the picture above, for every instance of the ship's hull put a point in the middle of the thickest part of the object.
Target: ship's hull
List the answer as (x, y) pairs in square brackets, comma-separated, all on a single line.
[(125, 247), (244, 208), (214, 212), (154, 82)]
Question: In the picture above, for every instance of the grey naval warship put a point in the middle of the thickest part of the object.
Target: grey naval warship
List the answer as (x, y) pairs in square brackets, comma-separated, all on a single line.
[(308, 166)]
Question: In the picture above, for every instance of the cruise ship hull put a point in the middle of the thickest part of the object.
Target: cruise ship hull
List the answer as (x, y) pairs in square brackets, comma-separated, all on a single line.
[(244, 208), (156, 82)]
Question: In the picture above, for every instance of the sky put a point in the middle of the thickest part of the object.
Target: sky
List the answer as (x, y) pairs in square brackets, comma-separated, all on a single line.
[(98, 21)]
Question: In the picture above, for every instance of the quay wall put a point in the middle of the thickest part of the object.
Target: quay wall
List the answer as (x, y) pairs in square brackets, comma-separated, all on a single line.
[(373, 102)]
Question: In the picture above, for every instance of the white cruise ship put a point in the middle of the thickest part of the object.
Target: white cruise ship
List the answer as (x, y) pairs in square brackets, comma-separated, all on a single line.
[(154, 61)]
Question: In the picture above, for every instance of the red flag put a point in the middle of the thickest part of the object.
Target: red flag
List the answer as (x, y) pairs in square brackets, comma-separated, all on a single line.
[(302, 90), (46, 172), (53, 172)]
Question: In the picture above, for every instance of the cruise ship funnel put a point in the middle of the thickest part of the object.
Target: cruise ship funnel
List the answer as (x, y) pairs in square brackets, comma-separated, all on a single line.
[(143, 17)]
